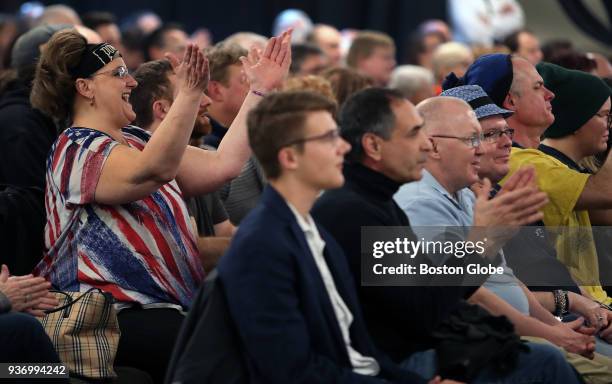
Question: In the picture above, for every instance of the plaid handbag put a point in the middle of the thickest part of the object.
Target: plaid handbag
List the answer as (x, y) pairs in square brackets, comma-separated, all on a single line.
[(85, 332)]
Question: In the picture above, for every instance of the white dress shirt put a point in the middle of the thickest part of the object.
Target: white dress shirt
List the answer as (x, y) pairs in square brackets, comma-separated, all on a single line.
[(363, 365)]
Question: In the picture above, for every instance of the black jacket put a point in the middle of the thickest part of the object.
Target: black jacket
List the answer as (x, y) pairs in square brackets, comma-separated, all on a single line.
[(400, 319), (208, 349), (26, 136)]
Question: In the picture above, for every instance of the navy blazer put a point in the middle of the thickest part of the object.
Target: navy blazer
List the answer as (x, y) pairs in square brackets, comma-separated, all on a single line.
[(283, 313)]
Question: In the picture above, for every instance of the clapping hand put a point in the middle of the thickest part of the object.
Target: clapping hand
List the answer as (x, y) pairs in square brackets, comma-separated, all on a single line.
[(266, 70), (499, 219), (192, 72), (27, 293), (518, 203)]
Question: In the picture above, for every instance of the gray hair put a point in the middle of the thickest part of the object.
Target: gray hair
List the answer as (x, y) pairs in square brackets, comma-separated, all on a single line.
[(367, 111), (409, 79), (246, 40)]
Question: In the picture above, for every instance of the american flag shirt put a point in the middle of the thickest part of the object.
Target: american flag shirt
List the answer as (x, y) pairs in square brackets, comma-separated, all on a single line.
[(143, 251)]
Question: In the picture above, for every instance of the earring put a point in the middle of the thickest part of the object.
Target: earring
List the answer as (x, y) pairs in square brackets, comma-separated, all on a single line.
[(92, 100)]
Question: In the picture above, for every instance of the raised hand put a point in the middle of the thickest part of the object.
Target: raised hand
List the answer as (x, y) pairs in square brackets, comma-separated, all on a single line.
[(192, 73), (266, 70)]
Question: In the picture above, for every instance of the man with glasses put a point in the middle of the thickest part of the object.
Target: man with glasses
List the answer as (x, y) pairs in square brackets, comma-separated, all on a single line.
[(288, 287), (442, 199), (389, 148), (575, 198)]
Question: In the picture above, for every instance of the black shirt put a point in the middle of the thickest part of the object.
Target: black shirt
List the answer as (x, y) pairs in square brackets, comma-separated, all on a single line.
[(217, 134)]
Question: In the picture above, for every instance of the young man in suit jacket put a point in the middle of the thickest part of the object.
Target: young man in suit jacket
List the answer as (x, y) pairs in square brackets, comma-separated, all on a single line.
[(288, 286)]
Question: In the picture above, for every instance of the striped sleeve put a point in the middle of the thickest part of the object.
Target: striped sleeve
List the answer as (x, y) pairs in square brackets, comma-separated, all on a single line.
[(77, 164)]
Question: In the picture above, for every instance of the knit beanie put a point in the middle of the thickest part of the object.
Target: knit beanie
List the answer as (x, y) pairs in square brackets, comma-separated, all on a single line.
[(578, 97), (26, 50)]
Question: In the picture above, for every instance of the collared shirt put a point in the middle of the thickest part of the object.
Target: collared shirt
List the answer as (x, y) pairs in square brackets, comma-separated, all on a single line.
[(363, 365), (450, 210), (428, 203)]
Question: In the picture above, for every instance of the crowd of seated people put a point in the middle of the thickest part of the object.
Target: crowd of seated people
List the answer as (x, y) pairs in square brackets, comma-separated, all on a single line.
[(136, 161)]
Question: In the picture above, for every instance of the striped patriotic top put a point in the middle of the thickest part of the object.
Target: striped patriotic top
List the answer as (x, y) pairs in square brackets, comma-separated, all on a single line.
[(142, 252)]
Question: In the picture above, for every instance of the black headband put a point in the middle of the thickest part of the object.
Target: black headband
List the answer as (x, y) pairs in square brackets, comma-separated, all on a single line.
[(95, 57)]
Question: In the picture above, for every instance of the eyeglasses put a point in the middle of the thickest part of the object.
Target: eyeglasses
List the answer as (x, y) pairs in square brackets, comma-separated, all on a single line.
[(330, 136), (608, 116), (119, 72), (495, 135), (472, 141)]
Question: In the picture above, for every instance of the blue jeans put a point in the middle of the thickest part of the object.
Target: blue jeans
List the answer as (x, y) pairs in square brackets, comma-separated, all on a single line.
[(23, 340), (542, 364), (603, 347)]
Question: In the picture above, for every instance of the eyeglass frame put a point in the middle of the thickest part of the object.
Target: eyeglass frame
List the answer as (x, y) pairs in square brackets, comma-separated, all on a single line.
[(474, 141), (331, 136), (509, 132), (115, 72)]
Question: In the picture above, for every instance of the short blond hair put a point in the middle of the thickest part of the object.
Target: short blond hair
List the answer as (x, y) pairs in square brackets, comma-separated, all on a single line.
[(317, 84), (364, 44), (449, 55), (280, 119)]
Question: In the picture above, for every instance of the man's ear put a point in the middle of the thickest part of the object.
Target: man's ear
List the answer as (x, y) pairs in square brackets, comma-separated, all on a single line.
[(509, 102), (372, 146), (287, 158), (434, 149), (84, 88), (160, 109), (214, 91)]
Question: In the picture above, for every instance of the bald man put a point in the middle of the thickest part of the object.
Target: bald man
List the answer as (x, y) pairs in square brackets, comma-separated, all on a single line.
[(389, 148), (328, 39)]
